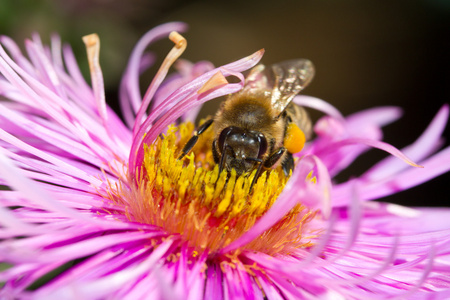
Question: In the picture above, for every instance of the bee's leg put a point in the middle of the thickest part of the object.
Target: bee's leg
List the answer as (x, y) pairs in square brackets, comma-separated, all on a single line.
[(222, 161), (274, 157), (258, 171), (268, 163), (226, 150), (215, 153), (193, 140), (288, 164)]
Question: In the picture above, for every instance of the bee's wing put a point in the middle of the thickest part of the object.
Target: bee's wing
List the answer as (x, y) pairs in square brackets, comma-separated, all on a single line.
[(282, 81), (259, 79), (290, 77)]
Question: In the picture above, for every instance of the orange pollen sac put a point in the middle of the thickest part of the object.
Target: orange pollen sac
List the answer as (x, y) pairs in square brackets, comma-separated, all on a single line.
[(294, 141), (207, 209)]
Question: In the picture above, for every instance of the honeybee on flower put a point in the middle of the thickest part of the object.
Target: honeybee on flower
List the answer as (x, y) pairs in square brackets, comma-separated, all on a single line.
[(97, 208)]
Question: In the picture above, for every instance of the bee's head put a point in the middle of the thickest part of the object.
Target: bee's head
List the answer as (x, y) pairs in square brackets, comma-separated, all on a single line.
[(241, 149)]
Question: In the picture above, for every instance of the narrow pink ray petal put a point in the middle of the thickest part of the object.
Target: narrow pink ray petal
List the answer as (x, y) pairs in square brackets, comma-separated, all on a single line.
[(54, 111), (318, 104), (175, 112), (296, 188), (126, 255), (270, 290), (321, 243), (61, 141), (378, 116), (75, 74), (178, 49), (425, 273), (232, 284), (95, 261), (64, 167), (372, 143), (386, 263), (420, 149), (288, 290), (93, 245), (196, 279), (37, 272), (127, 89), (324, 184), (102, 287), (45, 69), (75, 184), (32, 191), (294, 269), (13, 198), (131, 81), (54, 105), (7, 219), (56, 50), (246, 283), (214, 287), (433, 167), (425, 219), (187, 72), (16, 53), (142, 288), (190, 99), (354, 224)]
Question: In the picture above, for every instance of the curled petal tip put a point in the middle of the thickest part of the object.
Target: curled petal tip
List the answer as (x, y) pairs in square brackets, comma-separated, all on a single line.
[(257, 55), (260, 52)]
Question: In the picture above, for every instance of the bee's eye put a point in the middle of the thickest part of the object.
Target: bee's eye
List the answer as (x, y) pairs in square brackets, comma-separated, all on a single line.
[(262, 144)]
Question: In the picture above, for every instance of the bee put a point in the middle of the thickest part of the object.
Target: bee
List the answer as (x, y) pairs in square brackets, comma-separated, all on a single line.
[(259, 126)]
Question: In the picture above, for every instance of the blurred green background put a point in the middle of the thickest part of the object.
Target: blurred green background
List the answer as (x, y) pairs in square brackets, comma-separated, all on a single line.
[(366, 53)]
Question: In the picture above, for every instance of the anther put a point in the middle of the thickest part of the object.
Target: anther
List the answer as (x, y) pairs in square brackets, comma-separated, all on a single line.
[(177, 39), (215, 81)]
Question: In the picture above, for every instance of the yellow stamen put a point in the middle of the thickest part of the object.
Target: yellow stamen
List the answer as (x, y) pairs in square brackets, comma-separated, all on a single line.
[(208, 209), (311, 178)]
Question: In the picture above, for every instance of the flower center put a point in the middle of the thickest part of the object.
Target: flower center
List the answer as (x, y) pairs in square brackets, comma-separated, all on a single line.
[(206, 208)]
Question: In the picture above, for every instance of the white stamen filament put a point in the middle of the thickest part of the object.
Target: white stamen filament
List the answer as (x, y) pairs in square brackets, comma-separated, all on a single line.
[(180, 45), (92, 43)]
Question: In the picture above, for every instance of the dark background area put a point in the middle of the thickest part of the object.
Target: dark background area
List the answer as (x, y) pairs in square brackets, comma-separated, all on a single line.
[(366, 53)]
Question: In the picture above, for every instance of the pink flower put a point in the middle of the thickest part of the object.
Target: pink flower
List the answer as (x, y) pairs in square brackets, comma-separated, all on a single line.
[(98, 209)]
